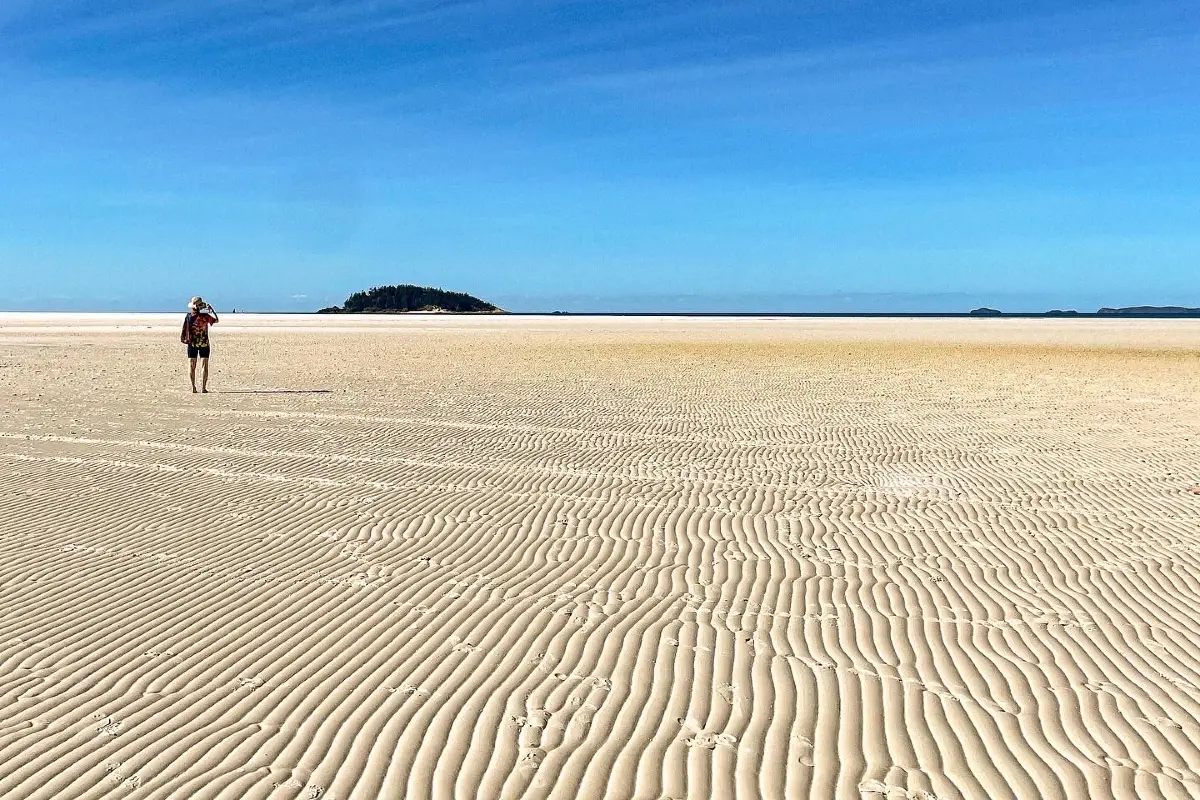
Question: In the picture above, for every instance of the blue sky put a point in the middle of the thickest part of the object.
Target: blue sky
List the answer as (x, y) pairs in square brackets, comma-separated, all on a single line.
[(579, 154)]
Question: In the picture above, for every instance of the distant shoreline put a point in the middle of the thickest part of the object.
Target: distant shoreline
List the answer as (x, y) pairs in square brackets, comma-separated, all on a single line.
[(859, 315), (699, 314)]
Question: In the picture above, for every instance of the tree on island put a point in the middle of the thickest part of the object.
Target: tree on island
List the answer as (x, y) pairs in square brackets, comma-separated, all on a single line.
[(406, 297)]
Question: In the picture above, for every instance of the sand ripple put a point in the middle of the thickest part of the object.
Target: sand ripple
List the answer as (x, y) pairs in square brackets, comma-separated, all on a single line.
[(601, 559)]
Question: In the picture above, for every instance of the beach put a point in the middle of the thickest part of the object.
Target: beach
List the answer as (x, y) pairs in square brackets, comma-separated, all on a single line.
[(439, 556)]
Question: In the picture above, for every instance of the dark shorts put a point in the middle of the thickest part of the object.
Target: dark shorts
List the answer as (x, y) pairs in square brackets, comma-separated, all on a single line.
[(194, 352)]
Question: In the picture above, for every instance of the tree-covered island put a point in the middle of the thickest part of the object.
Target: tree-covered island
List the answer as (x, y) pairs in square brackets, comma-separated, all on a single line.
[(406, 297)]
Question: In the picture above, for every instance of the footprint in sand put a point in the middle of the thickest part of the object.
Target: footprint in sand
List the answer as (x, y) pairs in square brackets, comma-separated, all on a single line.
[(158, 654), (873, 790), (115, 776), (109, 726), (705, 739), (289, 783), (711, 741), (531, 759), (534, 718), (538, 658), (804, 749)]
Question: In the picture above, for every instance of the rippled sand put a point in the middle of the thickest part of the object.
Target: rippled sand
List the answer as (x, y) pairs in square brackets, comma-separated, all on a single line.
[(584, 558)]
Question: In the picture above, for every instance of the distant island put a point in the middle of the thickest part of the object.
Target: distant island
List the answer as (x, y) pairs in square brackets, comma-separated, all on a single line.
[(1135, 310), (405, 298), (1129, 311)]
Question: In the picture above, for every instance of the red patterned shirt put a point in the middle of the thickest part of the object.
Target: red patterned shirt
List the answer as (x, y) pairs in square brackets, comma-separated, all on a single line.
[(195, 326)]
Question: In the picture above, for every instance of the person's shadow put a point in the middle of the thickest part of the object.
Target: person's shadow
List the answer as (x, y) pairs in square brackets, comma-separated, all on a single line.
[(270, 391)]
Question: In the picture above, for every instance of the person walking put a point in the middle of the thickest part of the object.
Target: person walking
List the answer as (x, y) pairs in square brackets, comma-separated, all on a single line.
[(195, 335)]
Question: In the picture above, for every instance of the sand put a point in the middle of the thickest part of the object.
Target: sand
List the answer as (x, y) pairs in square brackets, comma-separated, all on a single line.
[(439, 557)]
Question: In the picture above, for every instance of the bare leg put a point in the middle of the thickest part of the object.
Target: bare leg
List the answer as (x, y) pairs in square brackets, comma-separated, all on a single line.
[(192, 371), (204, 375)]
